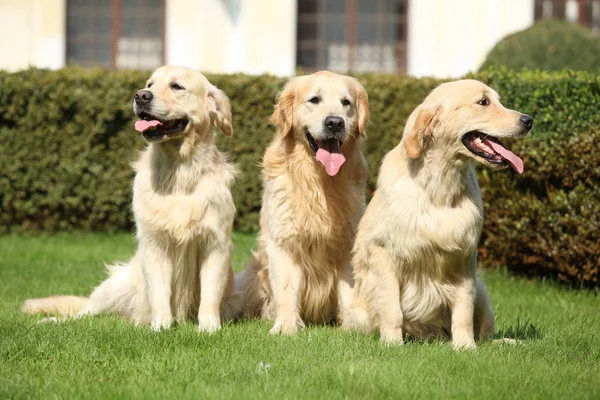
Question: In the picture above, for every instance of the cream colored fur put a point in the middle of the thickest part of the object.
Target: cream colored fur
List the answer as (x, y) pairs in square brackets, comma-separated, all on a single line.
[(302, 271), (415, 254), (183, 213)]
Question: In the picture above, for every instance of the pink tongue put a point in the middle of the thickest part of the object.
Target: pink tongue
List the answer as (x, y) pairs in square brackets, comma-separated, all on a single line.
[(330, 155), (142, 124), (515, 162)]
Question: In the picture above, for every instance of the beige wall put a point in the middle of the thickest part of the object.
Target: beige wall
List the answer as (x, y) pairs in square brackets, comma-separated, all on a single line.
[(32, 33), (449, 38), (229, 36)]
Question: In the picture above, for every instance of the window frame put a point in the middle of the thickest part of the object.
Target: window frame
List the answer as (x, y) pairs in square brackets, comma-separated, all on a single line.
[(115, 34), (319, 43)]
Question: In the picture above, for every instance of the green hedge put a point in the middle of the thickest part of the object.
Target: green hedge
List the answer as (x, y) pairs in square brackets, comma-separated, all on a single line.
[(67, 138), (550, 45)]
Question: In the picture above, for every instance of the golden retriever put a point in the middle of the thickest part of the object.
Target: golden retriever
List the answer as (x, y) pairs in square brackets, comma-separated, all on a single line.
[(314, 195), (183, 212), (415, 253)]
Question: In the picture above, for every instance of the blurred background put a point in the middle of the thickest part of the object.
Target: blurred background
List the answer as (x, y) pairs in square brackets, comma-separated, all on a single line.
[(439, 38)]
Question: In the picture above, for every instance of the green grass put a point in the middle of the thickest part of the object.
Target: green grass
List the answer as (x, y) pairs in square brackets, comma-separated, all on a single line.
[(104, 357)]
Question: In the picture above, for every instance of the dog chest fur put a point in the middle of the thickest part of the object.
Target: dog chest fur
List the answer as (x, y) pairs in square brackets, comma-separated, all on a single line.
[(181, 203)]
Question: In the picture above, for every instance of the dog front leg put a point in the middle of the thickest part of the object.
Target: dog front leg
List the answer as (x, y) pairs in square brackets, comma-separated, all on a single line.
[(345, 295), (463, 336), (214, 275), (286, 278), (384, 290), (157, 268)]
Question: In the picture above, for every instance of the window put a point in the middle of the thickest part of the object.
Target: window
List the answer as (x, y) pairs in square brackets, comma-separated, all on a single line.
[(116, 34), (589, 15), (584, 12), (352, 35)]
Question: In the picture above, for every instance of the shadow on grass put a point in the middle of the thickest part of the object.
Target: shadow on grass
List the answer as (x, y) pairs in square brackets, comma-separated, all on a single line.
[(522, 330)]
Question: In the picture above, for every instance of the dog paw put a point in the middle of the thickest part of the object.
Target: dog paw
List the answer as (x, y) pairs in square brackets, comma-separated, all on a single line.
[(161, 323), (50, 320), (391, 337), (288, 326), (463, 343), (209, 324), (83, 313)]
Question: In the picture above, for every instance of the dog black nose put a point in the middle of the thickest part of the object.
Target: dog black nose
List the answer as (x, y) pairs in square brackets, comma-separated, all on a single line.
[(334, 123), (143, 97), (526, 121)]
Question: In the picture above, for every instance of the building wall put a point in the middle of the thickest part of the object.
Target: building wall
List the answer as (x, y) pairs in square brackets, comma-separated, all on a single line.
[(449, 38), (232, 35), (32, 33), (446, 38)]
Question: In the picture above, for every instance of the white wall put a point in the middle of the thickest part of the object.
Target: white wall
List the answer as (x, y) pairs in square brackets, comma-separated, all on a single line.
[(449, 38), (32, 33), (231, 36)]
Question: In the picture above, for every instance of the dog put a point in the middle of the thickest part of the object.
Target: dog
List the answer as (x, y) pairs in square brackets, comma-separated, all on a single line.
[(183, 212), (314, 195), (415, 254)]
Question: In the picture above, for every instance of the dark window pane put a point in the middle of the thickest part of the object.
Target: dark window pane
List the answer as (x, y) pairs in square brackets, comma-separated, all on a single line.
[(335, 32), (129, 4), (334, 6), (101, 26), (366, 33), (558, 10), (395, 7), (76, 51), (366, 6), (154, 27), (102, 54), (307, 6), (401, 32), (307, 59), (307, 31), (586, 14)]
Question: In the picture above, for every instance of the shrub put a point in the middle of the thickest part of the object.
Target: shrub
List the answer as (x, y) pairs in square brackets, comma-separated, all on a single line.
[(545, 222), (550, 45), (67, 138)]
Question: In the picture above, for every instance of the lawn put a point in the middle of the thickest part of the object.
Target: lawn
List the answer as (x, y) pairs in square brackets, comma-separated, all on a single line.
[(104, 357)]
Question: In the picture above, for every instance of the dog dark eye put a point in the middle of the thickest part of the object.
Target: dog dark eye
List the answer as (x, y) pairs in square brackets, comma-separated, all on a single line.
[(176, 86), (484, 102), (149, 85), (345, 102), (314, 100)]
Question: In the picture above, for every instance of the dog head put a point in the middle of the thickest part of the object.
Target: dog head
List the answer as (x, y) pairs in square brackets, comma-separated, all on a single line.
[(177, 102), (466, 119), (323, 111)]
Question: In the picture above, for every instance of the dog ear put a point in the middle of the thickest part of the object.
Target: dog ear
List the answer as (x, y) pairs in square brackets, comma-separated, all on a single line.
[(283, 116), (419, 129), (220, 110), (362, 106)]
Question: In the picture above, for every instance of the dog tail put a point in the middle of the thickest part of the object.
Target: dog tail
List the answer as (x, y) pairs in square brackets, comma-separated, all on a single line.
[(56, 305), (232, 304), (253, 285)]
